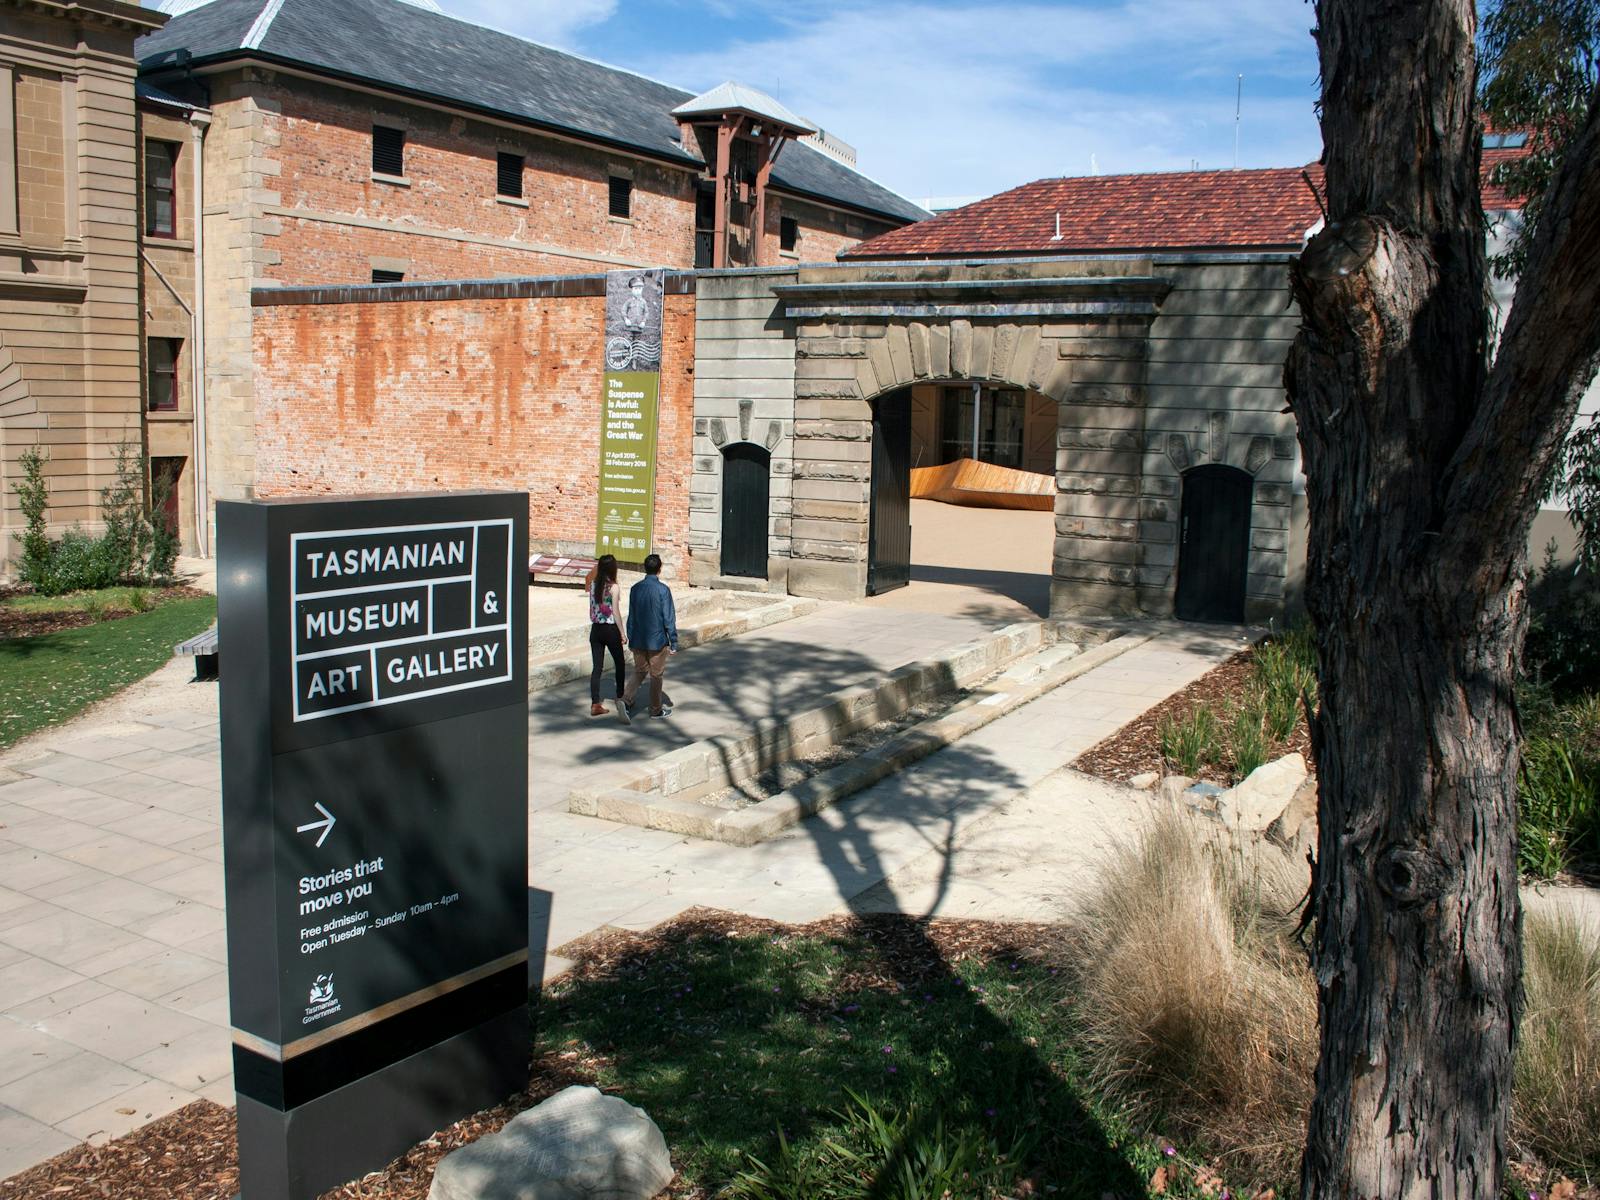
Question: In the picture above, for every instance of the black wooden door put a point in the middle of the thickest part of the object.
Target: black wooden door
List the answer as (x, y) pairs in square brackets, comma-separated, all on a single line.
[(1213, 544), (889, 551), (746, 487)]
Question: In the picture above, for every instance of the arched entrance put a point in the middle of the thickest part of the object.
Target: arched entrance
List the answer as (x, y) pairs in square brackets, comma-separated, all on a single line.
[(1213, 544), (746, 492), (962, 489)]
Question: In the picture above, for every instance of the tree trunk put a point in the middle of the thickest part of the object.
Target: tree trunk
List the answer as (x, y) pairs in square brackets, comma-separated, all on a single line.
[(1423, 469)]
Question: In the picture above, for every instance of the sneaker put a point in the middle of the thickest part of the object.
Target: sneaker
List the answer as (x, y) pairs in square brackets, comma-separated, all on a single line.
[(624, 712), (597, 709), (666, 711)]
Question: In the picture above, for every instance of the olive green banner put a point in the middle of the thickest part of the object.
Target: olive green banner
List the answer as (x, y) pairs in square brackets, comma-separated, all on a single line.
[(628, 464)]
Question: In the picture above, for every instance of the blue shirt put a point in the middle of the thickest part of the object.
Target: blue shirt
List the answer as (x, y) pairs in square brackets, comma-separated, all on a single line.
[(652, 618)]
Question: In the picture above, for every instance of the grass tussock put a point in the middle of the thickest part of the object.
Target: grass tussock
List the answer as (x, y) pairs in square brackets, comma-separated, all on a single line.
[(1556, 1113), (1199, 1011)]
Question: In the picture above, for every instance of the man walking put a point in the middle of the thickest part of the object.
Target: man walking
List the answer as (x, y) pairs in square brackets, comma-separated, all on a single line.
[(653, 634)]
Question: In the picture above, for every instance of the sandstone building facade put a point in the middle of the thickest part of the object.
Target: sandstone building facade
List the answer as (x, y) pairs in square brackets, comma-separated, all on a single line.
[(70, 353)]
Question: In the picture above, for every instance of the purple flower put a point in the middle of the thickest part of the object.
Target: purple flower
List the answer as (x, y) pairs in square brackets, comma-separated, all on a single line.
[(893, 1070), (888, 1049), (1168, 1151), (988, 1112)]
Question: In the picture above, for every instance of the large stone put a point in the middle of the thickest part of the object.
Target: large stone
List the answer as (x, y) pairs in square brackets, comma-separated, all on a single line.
[(1256, 801), (578, 1145), (1295, 828)]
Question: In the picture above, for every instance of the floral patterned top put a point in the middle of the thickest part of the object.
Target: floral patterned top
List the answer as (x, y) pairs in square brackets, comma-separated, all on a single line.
[(603, 611)]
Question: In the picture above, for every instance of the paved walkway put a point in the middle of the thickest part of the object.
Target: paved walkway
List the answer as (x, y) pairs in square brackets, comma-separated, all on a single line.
[(112, 983)]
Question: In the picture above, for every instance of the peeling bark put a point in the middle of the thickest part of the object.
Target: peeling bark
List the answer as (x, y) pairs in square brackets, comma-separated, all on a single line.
[(1423, 470)]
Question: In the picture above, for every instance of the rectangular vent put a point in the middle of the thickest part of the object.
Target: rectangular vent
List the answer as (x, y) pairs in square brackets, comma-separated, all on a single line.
[(388, 150), (621, 199), (388, 276), (508, 175)]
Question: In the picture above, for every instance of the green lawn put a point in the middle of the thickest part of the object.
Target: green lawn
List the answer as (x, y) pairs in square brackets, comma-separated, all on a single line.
[(724, 1040), (51, 677)]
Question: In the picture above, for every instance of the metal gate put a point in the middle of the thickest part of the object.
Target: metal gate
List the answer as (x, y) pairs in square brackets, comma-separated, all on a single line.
[(889, 550), (1214, 544), (746, 488)]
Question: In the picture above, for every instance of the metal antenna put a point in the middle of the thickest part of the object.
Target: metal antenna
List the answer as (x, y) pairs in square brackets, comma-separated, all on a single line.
[(1238, 107)]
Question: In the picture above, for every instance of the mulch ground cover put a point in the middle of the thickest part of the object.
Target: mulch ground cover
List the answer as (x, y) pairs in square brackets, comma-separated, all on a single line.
[(191, 1154), (24, 623), (1135, 749)]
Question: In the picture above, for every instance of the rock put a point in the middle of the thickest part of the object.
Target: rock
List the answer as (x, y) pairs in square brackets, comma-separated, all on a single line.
[(1144, 782), (1295, 828), (1253, 803), (577, 1145)]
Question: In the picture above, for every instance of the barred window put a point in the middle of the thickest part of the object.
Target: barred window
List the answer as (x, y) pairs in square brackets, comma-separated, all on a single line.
[(388, 150)]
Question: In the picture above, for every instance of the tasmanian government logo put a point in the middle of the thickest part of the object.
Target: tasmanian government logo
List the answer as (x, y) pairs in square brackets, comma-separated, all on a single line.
[(321, 1002)]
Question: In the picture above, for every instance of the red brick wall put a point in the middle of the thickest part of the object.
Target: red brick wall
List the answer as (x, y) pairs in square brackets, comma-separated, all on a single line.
[(430, 395), (325, 152), (324, 155)]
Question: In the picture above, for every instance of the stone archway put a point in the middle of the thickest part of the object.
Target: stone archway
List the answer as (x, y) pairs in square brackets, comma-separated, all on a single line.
[(1078, 338)]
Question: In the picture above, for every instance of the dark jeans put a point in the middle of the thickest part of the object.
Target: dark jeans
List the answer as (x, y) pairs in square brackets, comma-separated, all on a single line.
[(604, 637)]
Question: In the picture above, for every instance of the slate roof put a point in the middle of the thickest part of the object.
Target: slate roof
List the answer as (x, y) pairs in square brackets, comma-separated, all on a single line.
[(442, 58), (1268, 209)]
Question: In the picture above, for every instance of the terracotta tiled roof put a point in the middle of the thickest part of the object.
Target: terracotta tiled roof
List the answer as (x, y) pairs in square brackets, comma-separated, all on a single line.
[(1181, 210)]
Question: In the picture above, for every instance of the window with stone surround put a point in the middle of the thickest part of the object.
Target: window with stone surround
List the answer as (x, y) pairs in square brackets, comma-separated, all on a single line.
[(788, 233), (160, 189), (161, 357)]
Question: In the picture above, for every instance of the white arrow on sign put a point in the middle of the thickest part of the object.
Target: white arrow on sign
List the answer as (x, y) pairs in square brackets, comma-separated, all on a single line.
[(326, 825)]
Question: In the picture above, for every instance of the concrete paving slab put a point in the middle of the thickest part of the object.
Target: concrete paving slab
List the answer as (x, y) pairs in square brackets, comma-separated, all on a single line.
[(24, 1141), (68, 1087)]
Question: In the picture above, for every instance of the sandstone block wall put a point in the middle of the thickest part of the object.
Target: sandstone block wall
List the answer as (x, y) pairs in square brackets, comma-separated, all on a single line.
[(70, 379), (743, 392)]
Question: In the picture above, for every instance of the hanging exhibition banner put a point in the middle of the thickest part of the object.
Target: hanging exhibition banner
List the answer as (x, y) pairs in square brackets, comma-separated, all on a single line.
[(629, 407), (374, 803)]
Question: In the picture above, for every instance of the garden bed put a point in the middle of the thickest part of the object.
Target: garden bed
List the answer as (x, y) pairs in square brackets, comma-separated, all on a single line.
[(24, 614), (1135, 749)]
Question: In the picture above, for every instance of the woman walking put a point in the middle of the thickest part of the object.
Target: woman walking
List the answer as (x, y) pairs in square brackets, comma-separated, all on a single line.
[(604, 631)]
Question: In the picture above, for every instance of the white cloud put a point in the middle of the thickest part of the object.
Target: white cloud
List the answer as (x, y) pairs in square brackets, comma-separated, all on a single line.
[(971, 98), (552, 22)]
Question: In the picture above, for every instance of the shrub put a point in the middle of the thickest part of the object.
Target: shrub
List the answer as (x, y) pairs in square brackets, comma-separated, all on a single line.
[(1191, 741), (909, 1155), (1248, 740), (33, 498), (1556, 1107), (140, 600), (1558, 792), (129, 548), (80, 563), (1563, 643), (1286, 674), (1198, 1008)]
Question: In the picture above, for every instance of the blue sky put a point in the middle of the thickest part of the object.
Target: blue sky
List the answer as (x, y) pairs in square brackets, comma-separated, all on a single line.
[(962, 97)]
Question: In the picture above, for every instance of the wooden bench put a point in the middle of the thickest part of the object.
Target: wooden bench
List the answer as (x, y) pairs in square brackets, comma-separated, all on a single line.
[(202, 647), (560, 567)]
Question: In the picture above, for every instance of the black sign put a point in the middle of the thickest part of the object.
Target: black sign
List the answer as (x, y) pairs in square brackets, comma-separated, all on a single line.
[(374, 723)]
